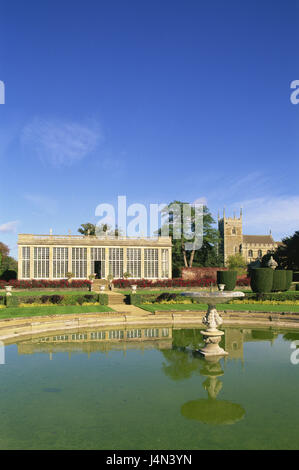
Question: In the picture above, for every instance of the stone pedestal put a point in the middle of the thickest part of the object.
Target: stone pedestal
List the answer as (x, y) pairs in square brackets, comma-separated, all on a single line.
[(212, 340), (212, 336)]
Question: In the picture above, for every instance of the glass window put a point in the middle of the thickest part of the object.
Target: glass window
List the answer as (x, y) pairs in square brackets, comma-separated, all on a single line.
[(116, 262), (250, 253), (151, 263), (41, 262), (79, 262), (134, 262), (26, 262), (60, 262)]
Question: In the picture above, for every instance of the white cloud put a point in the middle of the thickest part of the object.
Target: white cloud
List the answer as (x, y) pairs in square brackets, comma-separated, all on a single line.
[(278, 213), (61, 143), (9, 227)]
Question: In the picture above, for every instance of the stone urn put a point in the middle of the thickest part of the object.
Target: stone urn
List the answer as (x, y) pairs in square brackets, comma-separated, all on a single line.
[(221, 287), (8, 290), (102, 288), (272, 263), (134, 288)]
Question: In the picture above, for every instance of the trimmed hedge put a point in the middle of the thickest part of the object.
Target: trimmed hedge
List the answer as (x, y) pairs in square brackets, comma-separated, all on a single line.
[(279, 280), (46, 283), (279, 296), (289, 278), (296, 276), (297, 286), (229, 278), (73, 299), (261, 280)]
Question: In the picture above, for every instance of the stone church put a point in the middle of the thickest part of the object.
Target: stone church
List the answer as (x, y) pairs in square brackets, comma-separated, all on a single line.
[(252, 247)]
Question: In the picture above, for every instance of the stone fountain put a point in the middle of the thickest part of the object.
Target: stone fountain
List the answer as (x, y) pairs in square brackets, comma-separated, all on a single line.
[(212, 319)]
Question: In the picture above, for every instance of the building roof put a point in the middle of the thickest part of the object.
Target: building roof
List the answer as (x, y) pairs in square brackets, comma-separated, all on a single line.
[(260, 239), (82, 240)]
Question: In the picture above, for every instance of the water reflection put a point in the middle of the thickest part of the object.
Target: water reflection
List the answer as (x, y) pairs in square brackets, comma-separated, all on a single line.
[(174, 343), (97, 340), (211, 410)]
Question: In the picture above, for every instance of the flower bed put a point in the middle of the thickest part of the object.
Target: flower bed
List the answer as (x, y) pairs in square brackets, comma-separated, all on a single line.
[(46, 283)]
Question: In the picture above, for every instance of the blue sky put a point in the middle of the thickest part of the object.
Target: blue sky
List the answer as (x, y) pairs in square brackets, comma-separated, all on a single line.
[(155, 100)]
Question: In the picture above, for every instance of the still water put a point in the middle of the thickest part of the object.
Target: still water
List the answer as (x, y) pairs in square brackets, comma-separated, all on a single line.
[(146, 388)]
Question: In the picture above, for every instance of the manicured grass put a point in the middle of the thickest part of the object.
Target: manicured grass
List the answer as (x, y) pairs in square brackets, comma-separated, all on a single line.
[(15, 312), (238, 308)]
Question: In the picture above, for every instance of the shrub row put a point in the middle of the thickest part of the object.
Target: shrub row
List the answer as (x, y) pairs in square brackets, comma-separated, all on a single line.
[(46, 283), (137, 299), (269, 280), (279, 296), (176, 282), (74, 299)]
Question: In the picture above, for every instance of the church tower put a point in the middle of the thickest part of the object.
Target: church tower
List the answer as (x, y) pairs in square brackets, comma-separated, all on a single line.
[(230, 229)]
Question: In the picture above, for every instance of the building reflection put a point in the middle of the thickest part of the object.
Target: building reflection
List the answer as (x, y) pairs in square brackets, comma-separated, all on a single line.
[(98, 340)]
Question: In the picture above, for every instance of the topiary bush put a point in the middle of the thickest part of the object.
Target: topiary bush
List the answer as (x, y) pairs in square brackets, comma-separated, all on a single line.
[(261, 280), (229, 278), (279, 280), (289, 278)]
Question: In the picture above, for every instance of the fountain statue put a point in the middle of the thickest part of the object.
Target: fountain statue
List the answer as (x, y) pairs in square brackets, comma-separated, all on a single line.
[(212, 319)]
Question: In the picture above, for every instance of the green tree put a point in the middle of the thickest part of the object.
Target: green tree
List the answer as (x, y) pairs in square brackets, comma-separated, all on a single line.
[(4, 250), (287, 254), (207, 255), (90, 229), (7, 263), (87, 229), (237, 263)]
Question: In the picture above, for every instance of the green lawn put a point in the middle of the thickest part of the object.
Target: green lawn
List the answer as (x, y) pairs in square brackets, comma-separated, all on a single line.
[(237, 307), (15, 312)]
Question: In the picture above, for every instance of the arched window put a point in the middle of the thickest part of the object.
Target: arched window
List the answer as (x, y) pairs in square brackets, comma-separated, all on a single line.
[(250, 253), (259, 253), (234, 231)]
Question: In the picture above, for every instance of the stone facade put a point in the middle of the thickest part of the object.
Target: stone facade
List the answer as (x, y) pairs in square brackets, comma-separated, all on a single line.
[(252, 247), (52, 256)]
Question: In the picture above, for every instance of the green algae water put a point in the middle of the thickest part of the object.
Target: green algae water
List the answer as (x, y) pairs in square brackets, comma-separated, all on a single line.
[(147, 388)]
